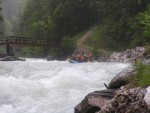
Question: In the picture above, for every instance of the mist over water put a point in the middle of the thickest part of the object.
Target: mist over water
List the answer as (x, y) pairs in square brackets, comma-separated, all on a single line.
[(38, 86), (12, 8), (11, 12)]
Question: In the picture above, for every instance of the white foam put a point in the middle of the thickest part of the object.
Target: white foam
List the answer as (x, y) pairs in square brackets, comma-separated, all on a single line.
[(50, 87)]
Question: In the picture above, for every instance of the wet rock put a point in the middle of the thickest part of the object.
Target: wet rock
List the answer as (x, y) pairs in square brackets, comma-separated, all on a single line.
[(127, 101), (94, 101), (130, 55), (11, 58), (8, 58), (122, 78), (50, 58)]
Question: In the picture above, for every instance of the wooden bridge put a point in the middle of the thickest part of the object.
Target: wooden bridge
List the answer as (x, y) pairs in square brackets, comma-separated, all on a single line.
[(14, 40), (23, 41)]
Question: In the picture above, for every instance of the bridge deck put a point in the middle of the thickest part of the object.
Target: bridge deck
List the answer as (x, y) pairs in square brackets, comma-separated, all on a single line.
[(30, 41), (23, 41)]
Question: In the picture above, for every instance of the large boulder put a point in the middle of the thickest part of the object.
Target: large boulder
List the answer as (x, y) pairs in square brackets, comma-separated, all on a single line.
[(130, 55), (94, 101), (127, 101), (122, 78)]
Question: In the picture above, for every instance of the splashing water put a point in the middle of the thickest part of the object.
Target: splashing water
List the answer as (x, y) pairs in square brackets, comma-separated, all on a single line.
[(38, 86)]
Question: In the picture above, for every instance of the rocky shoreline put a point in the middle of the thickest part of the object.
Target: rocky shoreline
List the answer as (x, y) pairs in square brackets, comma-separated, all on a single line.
[(118, 97), (11, 58)]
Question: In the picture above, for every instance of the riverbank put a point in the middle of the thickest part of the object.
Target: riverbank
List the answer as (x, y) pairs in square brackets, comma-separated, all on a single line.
[(120, 97), (5, 57)]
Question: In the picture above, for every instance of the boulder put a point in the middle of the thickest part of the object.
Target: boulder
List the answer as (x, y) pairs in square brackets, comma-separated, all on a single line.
[(122, 78), (11, 58), (127, 101), (130, 55), (94, 101)]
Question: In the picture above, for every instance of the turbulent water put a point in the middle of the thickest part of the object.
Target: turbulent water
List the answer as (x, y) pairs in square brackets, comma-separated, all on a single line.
[(38, 86)]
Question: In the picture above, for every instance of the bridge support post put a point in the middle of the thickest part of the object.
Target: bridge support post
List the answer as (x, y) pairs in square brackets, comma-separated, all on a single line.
[(9, 50)]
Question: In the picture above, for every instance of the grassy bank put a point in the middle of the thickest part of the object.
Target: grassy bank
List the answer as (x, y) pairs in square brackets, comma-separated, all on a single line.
[(96, 41), (142, 78)]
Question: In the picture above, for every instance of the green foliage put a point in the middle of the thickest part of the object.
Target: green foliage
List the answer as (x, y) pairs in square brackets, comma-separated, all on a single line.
[(146, 23), (7, 27), (11, 9), (141, 29), (122, 23), (2, 49), (31, 52), (68, 45), (141, 79)]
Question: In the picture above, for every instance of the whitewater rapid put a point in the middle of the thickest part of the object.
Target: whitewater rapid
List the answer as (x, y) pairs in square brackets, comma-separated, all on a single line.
[(38, 86)]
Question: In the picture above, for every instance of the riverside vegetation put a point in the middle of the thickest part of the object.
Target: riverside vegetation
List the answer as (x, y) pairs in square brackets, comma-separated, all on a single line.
[(116, 25), (141, 79), (143, 73)]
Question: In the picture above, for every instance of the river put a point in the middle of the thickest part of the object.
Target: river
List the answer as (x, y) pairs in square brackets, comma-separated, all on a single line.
[(38, 86)]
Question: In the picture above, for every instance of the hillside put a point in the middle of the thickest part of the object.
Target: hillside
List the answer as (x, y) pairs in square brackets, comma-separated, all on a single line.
[(93, 40)]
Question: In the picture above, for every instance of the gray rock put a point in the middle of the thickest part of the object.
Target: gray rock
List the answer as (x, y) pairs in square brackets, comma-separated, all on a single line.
[(11, 58), (122, 78), (127, 101), (146, 61), (130, 55), (94, 101)]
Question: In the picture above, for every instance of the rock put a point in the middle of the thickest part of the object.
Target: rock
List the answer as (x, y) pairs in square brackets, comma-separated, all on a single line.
[(122, 78), (146, 61), (50, 57), (127, 101), (130, 55), (11, 58), (147, 97), (94, 101), (20, 59), (102, 59), (8, 58)]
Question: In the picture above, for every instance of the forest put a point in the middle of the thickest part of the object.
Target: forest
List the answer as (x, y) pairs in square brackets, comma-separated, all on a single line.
[(122, 24)]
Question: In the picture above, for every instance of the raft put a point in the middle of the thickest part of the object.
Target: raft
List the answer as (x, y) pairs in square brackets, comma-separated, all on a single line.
[(73, 61)]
